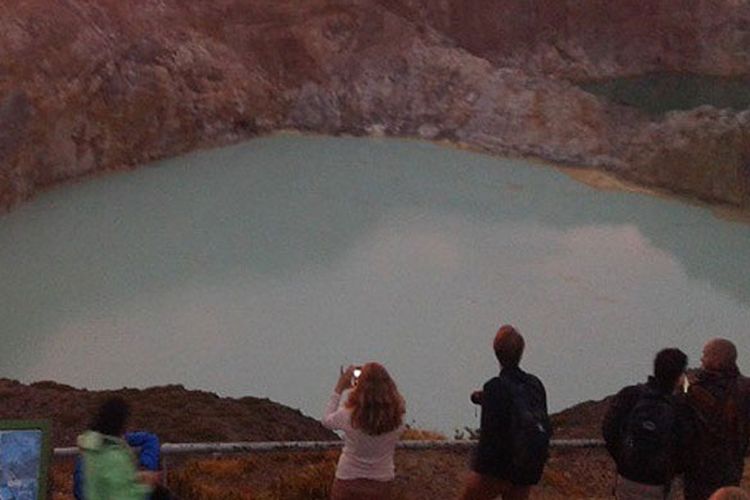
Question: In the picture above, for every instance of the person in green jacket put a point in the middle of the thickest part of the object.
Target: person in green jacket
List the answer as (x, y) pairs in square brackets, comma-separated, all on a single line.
[(108, 462)]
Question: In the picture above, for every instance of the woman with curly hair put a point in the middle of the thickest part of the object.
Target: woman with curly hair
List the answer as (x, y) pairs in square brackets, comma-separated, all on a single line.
[(372, 419)]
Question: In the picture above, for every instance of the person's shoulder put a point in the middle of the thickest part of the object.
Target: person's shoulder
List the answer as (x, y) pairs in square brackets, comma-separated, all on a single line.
[(344, 413), (630, 392), (696, 376), (520, 378), (492, 383), (533, 379), (344, 409), (137, 439), (624, 400)]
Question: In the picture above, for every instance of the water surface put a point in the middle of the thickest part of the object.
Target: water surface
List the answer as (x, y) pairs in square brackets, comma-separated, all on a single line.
[(259, 269), (658, 93)]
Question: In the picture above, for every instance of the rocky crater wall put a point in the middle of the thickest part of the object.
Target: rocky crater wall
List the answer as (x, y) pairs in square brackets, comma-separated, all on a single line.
[(87, 85), (594, 39)]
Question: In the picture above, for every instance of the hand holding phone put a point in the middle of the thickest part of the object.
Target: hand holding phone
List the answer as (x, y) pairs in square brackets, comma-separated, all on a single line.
[(346, 379)]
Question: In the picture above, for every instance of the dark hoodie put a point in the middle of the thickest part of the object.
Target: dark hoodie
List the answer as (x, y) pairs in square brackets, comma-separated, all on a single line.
[(720, 404)]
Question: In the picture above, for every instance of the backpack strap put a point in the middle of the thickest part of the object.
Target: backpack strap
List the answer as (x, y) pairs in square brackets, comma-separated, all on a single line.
[(643, 391), (517, 387)]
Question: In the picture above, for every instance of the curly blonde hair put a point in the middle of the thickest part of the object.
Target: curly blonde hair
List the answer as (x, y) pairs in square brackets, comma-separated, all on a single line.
[(377, 406)]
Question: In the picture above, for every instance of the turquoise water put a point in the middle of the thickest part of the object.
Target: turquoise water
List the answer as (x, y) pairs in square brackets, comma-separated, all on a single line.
[(661, 92), (259, 269)]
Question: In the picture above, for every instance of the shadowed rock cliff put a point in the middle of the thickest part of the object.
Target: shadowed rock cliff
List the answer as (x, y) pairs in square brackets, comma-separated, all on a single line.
[(594, 39)]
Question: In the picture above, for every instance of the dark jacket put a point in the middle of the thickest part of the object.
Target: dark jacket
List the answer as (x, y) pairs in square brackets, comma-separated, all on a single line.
[(614, 424), (720, 421), (492, 455)]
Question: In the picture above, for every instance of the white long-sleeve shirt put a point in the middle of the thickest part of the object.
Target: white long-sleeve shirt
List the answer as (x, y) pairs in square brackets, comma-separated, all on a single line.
[(364, 456)]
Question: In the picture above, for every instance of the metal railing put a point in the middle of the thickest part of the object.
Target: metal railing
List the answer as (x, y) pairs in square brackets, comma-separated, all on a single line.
[(218, 449), (267, 446)]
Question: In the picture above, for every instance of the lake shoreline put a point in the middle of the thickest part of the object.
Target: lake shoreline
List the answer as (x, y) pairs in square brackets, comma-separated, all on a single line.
[(601, 179), (147, 93)]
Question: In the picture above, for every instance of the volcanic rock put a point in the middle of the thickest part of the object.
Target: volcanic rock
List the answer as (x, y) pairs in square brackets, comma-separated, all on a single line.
[(103, 85)]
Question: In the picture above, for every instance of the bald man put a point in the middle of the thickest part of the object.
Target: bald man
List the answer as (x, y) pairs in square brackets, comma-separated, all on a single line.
[(515, 428), (720, 401)]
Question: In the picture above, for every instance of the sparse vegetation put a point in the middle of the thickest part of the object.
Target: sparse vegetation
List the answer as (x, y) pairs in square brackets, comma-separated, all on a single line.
[(412, 434), (272, 476)]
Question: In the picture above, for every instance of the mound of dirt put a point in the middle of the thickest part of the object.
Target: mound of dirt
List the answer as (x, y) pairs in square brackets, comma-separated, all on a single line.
[(174, 413)]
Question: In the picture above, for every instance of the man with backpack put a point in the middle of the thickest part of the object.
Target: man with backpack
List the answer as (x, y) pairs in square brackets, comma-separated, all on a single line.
[(644, 431), (719, 398), (515, 428)]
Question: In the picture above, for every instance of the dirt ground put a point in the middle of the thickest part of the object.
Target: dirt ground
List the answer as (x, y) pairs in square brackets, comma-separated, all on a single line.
[(421, 475)]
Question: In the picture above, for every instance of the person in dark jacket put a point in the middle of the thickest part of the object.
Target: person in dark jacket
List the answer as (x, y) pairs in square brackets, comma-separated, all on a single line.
[(719, 397), (497, 470), (647, 461)]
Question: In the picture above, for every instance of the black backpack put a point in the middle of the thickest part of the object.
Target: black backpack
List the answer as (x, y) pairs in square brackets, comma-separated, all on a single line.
[(647, 450), (529, 431)]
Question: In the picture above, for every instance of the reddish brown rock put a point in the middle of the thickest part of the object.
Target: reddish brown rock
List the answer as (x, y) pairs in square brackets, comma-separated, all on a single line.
[(593, 39), (172, 412), (703, 152), (104, 85)]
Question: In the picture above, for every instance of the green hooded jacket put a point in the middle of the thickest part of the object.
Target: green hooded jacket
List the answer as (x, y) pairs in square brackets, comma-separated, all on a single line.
[(109, 469)]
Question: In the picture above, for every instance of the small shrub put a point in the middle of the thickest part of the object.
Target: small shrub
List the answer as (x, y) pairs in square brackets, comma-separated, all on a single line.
[(466, 433)]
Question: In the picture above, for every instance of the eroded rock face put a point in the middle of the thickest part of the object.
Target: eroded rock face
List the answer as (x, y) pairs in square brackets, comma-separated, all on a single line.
[(703, 152), (107, 85), (594, 39)]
